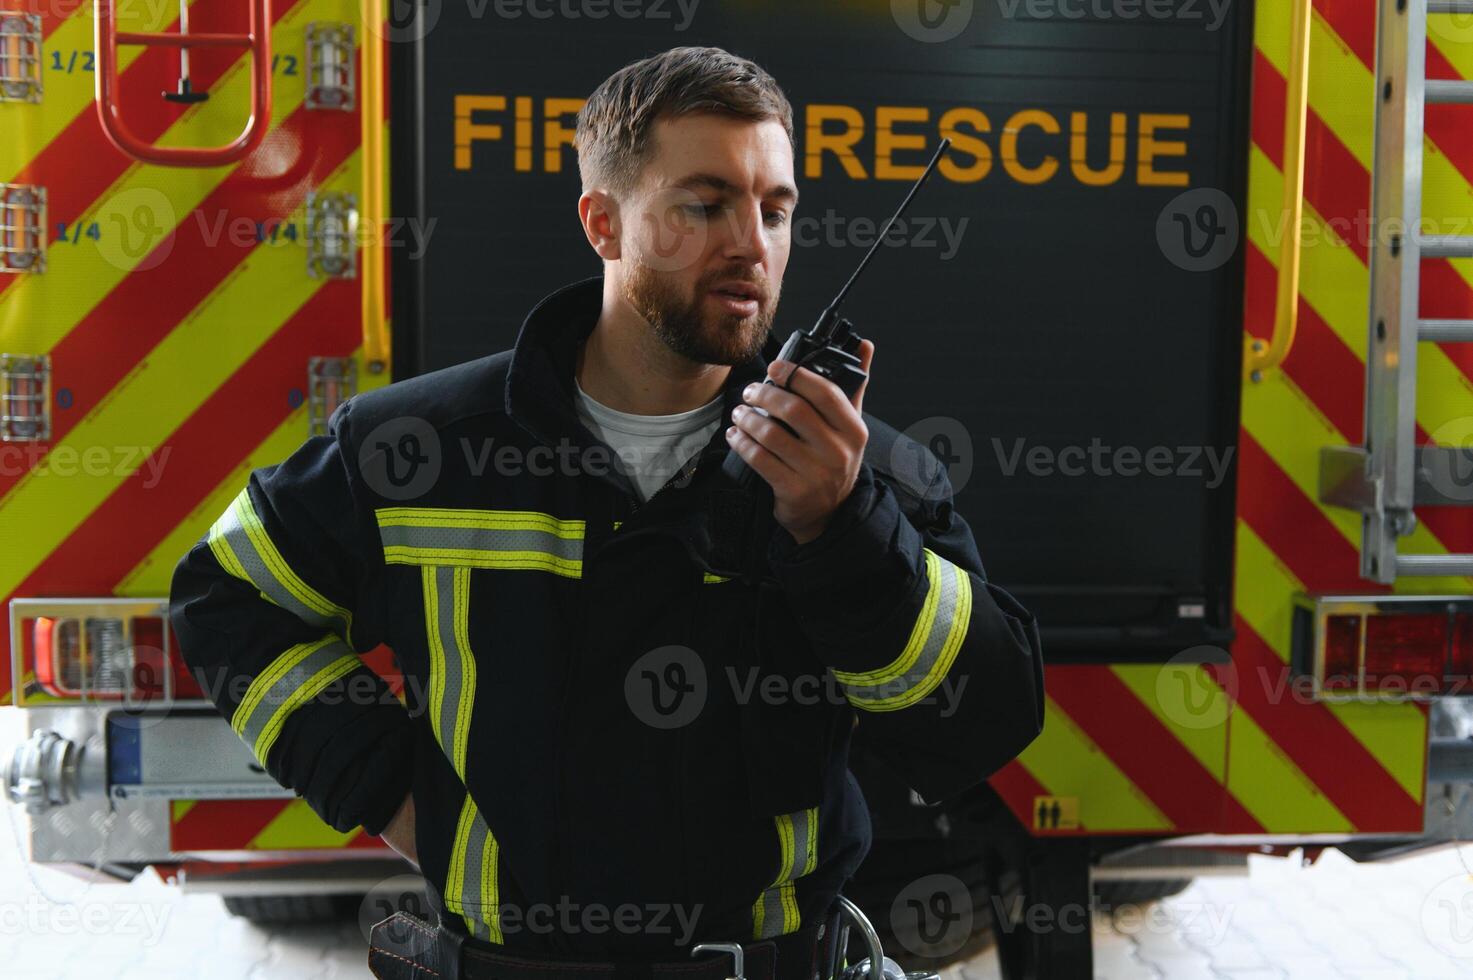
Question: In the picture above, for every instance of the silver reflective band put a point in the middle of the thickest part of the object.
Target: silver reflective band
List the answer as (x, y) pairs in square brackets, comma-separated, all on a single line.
[(526, 540)]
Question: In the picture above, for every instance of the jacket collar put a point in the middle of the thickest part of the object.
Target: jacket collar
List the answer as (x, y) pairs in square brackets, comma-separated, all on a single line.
[(539, 384)]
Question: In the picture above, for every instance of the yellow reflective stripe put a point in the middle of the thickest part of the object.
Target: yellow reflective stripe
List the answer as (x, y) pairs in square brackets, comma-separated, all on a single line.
[(220, 547), (935, 640), (465, 696), (300, 696), (437, 653), (473, 558), (452, 663), (491, 520), (918, 633), (288, 697), (471, 886), (490, 899), (264, 681), (455, 877), (775, 912), (708, 578), (280, 570), (505, 539)]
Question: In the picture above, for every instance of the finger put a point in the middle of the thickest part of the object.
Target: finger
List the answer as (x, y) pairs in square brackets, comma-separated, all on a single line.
[(829, 400), (767, 465), (770, 435), (796, 411), (866, 358)]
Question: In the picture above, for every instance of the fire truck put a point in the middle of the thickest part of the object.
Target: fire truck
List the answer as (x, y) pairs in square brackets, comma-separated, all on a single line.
[(1186, 313)]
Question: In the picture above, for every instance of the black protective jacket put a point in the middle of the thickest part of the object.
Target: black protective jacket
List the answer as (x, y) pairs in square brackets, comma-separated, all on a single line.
[(625, 726)]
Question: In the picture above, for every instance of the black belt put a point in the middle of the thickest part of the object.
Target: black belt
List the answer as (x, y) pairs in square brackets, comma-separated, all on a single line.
[(405, 947)]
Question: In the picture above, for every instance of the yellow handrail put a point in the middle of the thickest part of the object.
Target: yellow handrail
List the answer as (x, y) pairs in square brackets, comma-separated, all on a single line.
[(376, 348), (1258, 356)]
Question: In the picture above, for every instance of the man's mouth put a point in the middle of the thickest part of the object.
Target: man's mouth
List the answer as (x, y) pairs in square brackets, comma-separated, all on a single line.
[(738, 298), (738, 290)]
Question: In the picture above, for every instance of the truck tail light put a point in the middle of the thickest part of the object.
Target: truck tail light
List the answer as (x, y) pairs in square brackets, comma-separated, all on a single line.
[(110, 651), (1388, 647)]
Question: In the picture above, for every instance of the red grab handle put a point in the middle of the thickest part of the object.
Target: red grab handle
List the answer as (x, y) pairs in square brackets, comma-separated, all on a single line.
[(257, 39)]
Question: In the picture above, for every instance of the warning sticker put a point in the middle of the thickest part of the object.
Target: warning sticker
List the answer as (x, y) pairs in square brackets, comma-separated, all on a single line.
[(1056, 813)]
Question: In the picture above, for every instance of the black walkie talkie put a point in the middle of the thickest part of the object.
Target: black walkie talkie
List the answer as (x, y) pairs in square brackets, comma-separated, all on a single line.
[(831, 348)]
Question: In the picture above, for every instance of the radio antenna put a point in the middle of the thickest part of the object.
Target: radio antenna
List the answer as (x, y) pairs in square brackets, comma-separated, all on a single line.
[(839, 299)]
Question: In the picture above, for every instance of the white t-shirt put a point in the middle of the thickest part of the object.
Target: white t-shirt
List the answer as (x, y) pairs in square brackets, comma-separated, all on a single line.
[(654, 446)]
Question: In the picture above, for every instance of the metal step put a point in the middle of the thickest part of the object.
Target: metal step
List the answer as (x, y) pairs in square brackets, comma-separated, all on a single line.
[(1447, 246), (1445, 331), (1450, 6), (1434, 564), (1455, 91)]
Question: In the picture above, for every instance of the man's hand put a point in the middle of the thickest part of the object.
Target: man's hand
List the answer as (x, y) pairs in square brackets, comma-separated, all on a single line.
[(399, 834), (812, 472)]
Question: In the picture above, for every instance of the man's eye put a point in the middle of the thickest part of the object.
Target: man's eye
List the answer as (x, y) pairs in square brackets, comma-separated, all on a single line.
[(776, 219), (706, 210)]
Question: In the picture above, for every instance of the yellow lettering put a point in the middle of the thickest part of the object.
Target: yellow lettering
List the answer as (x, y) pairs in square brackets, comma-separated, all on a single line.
[(524, 133), (555, 135), (1150, 148), (887, 141), (965, 143), (1009, 148), (840, 144), (467, 132), (1079, 150)]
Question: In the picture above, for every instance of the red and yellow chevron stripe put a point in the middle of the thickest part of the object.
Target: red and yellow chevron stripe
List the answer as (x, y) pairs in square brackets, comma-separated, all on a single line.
[(1232, 748), (257, 825), (179, 341)]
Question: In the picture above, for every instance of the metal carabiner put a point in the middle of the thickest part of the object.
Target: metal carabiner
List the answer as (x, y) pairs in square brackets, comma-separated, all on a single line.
[(734, 949)]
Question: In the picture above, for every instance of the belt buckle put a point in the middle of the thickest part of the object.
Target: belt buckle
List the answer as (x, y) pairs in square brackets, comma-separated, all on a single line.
[(735, 949)]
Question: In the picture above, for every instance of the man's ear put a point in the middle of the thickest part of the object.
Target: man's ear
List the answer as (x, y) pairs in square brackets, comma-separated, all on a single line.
[(599, 213)]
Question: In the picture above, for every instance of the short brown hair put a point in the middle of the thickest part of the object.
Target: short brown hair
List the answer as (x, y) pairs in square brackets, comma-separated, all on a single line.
[(613, 137)]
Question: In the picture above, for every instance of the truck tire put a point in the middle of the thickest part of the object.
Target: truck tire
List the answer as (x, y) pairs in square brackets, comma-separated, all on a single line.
[(1131, 892), (276, 910)]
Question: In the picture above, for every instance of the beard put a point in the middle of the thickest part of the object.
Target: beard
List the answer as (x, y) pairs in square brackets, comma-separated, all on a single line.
[(687, 328)]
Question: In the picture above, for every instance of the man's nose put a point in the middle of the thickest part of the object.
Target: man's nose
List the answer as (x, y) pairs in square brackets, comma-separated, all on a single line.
[(746, 237)]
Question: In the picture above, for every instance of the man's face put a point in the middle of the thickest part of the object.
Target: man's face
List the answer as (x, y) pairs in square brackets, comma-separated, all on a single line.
[(709, 235)]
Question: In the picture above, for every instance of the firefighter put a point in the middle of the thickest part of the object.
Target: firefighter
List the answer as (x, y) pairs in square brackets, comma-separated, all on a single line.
[(630, 686)]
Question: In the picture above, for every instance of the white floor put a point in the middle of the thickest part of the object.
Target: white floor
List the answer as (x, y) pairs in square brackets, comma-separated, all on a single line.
[(1410, 919)]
